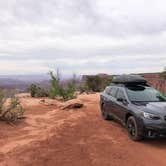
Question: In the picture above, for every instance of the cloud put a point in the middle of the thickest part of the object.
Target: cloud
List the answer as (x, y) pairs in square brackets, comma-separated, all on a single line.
[(82, 36)]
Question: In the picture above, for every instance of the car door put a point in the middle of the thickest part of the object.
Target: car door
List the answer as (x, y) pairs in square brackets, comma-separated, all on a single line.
[(121, 106), (105, 97), (110, 103)]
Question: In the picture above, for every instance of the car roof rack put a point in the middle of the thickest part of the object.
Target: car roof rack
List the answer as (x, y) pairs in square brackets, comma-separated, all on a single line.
[(129, 79)]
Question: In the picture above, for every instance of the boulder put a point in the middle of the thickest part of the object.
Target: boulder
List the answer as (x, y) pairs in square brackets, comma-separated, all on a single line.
[(72, 104)]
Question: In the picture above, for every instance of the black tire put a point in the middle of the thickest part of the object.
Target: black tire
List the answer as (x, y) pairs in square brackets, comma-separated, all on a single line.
[(132, 128), (104, 113)]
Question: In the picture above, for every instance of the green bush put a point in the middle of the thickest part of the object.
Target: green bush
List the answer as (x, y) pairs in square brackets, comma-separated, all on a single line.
[(83, 88), (69, 91), (96, 83), (37, 91), (57, 89), (107, 82)]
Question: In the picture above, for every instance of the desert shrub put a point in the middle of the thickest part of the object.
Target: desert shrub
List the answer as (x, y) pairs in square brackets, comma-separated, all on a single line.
[(69, 91), (57, 89), (37, 91), (12, 111), (83, 88), (2, 100), (96, 83), (93, 83), (107, 81)]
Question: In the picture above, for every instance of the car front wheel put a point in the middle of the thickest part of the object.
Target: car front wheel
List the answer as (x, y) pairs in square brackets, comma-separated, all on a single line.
[(132, 128)]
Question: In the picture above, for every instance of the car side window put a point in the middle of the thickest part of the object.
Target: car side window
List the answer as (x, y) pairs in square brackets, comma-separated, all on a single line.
[(107, 91), (120, 94), (113, 91)]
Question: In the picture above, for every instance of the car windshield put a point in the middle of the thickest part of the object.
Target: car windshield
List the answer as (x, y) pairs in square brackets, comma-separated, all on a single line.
[(144, 94)]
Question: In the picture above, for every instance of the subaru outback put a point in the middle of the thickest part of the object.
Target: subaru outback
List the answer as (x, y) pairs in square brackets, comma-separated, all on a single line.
[(137, 105)]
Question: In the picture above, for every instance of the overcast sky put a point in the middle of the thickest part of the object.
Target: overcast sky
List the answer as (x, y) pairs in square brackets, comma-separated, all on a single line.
[(82, 36)]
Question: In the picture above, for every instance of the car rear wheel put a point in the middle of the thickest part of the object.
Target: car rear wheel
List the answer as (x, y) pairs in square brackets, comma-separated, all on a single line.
[(132, 128), (104, 113)]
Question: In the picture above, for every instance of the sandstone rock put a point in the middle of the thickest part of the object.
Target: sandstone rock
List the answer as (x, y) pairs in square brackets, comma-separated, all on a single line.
[(72, 104)]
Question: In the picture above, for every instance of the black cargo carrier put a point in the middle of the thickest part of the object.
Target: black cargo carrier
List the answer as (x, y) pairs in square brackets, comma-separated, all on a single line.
[(129, 79)]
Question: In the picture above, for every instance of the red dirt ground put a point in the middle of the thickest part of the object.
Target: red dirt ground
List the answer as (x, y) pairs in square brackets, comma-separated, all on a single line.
[(53, 137)]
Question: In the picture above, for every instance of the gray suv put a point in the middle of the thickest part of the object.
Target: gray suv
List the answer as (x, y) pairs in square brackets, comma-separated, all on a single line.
[(138, 106)]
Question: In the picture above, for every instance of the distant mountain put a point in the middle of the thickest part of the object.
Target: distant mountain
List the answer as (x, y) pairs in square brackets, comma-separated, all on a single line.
[(27, 78), (22, 82)]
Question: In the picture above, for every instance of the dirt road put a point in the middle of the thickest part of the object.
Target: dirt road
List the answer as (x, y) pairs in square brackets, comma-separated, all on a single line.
[(53, 137)]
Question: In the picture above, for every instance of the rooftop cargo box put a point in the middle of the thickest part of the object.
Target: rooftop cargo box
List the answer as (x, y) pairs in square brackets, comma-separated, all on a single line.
[(126, 79)]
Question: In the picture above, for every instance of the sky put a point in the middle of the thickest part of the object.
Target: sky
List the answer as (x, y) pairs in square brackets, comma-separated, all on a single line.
[(82, 36)]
